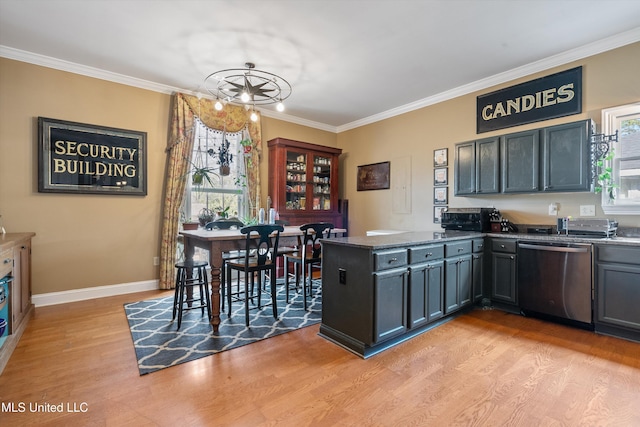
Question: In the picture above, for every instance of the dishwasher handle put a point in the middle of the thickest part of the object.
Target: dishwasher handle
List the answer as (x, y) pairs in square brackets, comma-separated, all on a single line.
[(581, 249)]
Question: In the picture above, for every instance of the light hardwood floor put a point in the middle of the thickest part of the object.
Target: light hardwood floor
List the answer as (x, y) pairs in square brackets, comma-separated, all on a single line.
[(486, 368)]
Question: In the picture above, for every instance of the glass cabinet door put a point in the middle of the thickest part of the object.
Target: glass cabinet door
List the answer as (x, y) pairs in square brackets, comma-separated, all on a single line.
[(321, 183), (296, 181)]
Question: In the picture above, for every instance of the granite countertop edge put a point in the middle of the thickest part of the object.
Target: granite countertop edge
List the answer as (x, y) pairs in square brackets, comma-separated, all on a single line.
[(401, 240)]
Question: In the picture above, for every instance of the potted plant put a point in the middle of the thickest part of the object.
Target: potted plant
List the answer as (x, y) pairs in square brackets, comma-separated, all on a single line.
[(223, 156), (605, 181), (222, 212), (188, 224), (205, 216)]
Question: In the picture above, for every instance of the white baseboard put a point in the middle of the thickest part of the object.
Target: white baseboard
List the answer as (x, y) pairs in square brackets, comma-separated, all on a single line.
[(52, 298)]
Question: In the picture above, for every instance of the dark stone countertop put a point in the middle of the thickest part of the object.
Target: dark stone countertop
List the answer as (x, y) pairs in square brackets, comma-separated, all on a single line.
[(405, 239)]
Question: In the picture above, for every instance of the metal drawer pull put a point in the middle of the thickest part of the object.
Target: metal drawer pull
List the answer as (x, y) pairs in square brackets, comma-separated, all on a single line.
[(460, 249), (428, 254), (502, 246), (392, 260)]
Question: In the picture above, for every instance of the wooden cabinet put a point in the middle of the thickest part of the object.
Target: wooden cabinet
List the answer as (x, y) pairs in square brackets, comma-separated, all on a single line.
[(477, 167), (503, 270), (566, 157), (303, 181), (617, 291), (15, 261)]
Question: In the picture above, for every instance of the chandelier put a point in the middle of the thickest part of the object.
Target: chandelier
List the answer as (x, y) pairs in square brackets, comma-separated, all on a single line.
[(247, 86)]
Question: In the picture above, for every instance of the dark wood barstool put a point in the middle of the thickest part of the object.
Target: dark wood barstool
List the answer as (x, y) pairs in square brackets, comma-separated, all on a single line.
[(191, 274)]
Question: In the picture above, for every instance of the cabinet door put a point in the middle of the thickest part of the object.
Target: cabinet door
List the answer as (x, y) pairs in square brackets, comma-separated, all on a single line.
[(566, 157), (503, 277), (465, 168), (321, 182), (618, 295), (520, 157), (477, 275), (457, 291), (426, 286), (488, 165), (296, 180), (390, 304)]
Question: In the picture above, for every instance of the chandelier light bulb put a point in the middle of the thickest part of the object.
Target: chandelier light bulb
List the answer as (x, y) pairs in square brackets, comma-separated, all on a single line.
[(280, 106), (218, 105), (245, 97), (254, 116)]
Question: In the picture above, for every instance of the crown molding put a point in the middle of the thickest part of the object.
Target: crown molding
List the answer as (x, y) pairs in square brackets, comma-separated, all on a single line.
[(591, 49), (560, 59)]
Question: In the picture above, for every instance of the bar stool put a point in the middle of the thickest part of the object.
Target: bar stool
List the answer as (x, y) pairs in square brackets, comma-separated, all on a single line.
[(198, 277)]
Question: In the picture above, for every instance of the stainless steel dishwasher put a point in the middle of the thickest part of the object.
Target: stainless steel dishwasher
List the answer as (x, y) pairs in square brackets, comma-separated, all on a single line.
[(556, 279)]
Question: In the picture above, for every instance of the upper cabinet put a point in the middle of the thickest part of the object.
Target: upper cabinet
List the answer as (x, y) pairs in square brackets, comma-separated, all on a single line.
[(520, 159), (303, 181), (566, 157), (477, 167), (555, 158)]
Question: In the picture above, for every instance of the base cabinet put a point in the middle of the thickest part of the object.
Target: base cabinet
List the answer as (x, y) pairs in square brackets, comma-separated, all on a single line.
[(503, 271), (374, 299), (617, 291)]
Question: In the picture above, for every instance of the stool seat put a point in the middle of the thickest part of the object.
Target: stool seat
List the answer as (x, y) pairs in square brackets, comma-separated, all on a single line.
[(191, 274)]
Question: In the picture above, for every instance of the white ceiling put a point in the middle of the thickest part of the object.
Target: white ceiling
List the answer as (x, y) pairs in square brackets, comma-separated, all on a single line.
[(350, 62)]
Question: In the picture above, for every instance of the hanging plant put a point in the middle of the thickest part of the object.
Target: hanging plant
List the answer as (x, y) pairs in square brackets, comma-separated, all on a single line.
[(605, 181), (223, 156)]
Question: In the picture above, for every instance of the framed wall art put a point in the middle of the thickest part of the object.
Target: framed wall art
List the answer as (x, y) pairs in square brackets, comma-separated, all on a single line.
[(83, 158), (440, 157), (374, 176), (440, 195), (437, 213), (440, 176)]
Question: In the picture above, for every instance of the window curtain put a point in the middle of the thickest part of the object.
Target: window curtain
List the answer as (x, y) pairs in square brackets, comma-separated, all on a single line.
[(184, 110)]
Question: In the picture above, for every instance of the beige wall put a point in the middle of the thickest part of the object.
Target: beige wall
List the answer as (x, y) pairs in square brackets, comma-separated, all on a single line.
[(88, 240), (609, 79)]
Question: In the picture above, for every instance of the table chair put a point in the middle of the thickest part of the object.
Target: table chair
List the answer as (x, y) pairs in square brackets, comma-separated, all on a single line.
[(261, 250), (308, 256)]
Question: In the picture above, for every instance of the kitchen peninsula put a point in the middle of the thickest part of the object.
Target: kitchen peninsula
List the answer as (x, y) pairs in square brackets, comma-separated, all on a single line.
[(379, 291)]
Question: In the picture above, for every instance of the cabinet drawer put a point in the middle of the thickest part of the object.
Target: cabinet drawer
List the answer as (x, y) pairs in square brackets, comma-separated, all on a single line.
[(503, 245), (478, 245), (618, 254), (459, 248), (425, 253), (6, 262), (389, 259)]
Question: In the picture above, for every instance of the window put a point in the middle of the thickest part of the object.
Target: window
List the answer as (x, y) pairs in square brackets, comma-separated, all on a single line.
[(625, 163), (225, 193)]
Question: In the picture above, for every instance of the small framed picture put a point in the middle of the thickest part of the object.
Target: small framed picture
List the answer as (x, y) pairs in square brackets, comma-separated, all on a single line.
[(440, 195), (440, 157), (437, 213), (440, 176)]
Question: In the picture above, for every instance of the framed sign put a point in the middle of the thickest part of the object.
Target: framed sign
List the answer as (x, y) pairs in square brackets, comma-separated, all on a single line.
[(440, 157), (374, 176), (549, 97), (440, 195), (440, 176), (82, 158)]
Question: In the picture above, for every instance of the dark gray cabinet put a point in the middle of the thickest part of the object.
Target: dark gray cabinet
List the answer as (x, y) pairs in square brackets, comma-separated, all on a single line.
[(457, 293), (617, 290), (477, 269), (520, 157), (390, 303), (477, 167), (566, 157), (503, 270), (426, 284)]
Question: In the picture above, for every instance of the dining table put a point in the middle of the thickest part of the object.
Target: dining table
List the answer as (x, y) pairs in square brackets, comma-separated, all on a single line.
[(217, 242)]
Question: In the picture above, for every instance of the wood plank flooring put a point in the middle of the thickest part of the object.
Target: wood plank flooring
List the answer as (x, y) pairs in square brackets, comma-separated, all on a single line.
[(486, 368)]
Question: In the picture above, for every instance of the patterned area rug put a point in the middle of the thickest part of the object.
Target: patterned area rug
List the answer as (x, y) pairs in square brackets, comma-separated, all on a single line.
[(159, 345)]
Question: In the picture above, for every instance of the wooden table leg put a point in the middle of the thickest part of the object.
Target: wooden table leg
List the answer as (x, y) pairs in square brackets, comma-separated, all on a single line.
[(215, 260)]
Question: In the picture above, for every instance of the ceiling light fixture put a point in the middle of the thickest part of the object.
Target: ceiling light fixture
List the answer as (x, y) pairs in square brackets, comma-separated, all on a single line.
[(247, 86)]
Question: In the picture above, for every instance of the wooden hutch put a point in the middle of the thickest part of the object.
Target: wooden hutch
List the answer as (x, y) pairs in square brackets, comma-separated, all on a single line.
[(303, 182)]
